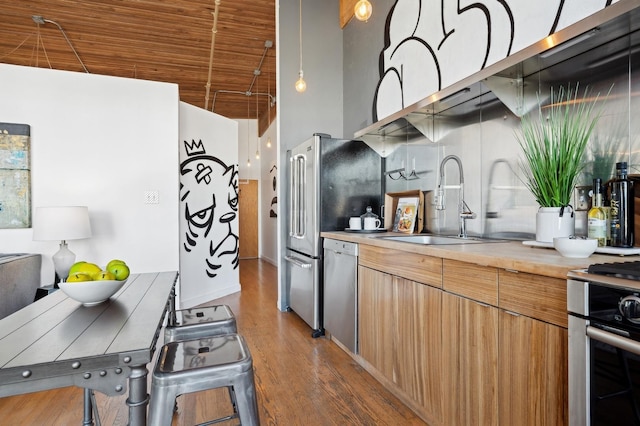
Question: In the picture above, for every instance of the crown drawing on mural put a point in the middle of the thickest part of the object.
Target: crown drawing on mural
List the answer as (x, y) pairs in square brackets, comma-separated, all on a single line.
[(194, 148)]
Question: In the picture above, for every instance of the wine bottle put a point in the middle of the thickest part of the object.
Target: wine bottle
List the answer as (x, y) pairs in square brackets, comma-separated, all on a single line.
[(597, 218), (621, 204), (606, 206)]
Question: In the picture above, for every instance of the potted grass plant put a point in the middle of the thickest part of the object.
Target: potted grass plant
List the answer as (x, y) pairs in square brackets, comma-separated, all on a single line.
[(554, 143)]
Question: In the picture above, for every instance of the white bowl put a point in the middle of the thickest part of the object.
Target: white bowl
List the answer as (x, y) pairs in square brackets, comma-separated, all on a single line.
[(575, 247), (91, 292)]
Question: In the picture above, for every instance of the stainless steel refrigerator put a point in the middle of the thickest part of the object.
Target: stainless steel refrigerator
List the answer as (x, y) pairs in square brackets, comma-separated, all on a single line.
[(330, 180)]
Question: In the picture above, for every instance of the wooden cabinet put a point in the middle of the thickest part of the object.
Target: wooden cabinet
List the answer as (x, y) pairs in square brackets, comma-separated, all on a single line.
[(533, 372), (417, 348), (476, 282), (400, 337), (375, 316), (478, 345), (505, 367), (470, 361), (538, 297), (413, 266)]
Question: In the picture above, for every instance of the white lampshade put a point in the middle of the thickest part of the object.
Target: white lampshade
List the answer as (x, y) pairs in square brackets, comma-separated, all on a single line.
[(61, 223)]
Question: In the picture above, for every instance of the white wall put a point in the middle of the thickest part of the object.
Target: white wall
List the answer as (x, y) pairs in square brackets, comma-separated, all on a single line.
[(320, 107), (268, 194), (247, 149), (263, 171), (101, 142), (209, 249)]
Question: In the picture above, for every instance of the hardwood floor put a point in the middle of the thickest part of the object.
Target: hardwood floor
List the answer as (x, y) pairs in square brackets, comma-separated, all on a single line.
[(299, 380)]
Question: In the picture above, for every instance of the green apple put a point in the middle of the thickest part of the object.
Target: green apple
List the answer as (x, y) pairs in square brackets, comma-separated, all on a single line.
[(87, 267), (77, 277), (113, 262), (103, 276), (76, 267), (119, 270)]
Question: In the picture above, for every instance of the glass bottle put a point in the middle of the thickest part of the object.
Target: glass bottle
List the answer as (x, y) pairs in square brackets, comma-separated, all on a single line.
[(607, 210), (597, 218), (621, 203)]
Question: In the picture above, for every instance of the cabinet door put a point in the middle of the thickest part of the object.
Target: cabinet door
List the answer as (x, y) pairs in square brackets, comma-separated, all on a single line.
[(417, 368), (375, 319), (470, 356), (533, 372)]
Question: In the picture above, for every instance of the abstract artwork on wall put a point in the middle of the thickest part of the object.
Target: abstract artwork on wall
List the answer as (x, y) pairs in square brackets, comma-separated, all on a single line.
[(209, 207), (273, 212), (15, 176), (428, 48)]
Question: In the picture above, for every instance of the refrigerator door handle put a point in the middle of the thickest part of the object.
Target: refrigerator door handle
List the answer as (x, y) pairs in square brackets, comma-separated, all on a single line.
[(292, 202), (297, 196), (299, 263)]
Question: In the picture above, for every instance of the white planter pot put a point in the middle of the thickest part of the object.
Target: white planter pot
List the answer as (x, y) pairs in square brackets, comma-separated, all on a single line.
[(550, 224)]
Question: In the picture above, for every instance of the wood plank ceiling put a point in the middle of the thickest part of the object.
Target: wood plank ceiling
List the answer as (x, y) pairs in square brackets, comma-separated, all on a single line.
[(159, 40)]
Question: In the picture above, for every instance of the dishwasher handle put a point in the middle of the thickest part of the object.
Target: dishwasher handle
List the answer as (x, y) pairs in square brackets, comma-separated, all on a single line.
[(298, 262), (340, 247)]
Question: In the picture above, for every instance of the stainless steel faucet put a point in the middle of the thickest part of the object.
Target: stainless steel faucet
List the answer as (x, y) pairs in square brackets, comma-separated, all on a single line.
[(464, 212)]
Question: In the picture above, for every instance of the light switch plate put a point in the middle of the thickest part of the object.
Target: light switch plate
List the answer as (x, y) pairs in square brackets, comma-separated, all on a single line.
[(582, 198), (151, 197)]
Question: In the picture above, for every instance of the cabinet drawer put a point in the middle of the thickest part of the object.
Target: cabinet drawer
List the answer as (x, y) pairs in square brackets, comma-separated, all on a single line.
[(535, 296), (416, 267), (476, 282)]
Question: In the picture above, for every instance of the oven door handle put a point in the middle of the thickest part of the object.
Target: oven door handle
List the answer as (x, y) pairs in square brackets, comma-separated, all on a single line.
[(614, 340)]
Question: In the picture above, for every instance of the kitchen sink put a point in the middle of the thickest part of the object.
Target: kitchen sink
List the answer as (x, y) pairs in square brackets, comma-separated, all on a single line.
[(437, 239)]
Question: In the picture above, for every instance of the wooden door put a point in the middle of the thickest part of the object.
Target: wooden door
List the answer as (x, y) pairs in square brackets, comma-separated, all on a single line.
[(248, 211), (470, 358), (533, 364), (418, 345), (375, 319)]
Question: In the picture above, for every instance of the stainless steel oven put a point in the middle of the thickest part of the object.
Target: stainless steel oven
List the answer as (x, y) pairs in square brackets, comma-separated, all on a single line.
[(604, 345)]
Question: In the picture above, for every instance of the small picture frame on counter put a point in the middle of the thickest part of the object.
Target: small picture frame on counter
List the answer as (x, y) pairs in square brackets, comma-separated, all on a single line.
[(395, 216)]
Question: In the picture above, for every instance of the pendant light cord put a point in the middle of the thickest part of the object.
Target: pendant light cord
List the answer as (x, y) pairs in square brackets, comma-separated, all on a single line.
[(300, 29)]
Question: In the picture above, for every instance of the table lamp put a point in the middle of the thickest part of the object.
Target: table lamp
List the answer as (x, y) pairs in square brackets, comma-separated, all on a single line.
[(62, 223)]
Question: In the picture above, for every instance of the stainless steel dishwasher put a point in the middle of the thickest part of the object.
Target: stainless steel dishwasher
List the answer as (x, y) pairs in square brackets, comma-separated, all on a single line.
[(340, 292)]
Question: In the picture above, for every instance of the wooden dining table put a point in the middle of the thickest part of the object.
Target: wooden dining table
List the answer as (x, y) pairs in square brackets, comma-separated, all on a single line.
[(57, 342)]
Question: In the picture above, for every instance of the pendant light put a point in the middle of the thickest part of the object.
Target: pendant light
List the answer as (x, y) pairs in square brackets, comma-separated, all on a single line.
[(363, 10), (257, 118), (248, 101), (301, 85), (268, 104)]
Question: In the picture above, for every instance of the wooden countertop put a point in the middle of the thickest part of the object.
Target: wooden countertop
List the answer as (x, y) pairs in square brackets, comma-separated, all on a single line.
[(507, 255)]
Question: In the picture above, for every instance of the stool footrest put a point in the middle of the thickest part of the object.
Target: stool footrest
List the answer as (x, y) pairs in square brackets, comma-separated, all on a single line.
[(220, 420)]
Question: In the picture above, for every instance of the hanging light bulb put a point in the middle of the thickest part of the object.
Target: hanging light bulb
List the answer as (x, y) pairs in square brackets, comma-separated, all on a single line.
[(363, 10), (301, 85)]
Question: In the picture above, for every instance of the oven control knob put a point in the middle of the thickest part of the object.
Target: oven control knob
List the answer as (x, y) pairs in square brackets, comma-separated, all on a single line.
[(629, 307)]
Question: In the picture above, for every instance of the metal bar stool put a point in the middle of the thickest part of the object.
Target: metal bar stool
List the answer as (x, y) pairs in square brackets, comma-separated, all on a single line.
[(201, 364), (194, 323)]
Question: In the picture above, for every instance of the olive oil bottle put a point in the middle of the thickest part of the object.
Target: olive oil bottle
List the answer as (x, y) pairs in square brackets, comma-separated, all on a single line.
[(597, 217), (621, 203)]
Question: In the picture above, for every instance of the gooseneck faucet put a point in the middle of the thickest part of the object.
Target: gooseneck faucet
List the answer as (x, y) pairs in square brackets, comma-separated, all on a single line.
[(464, 212)]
